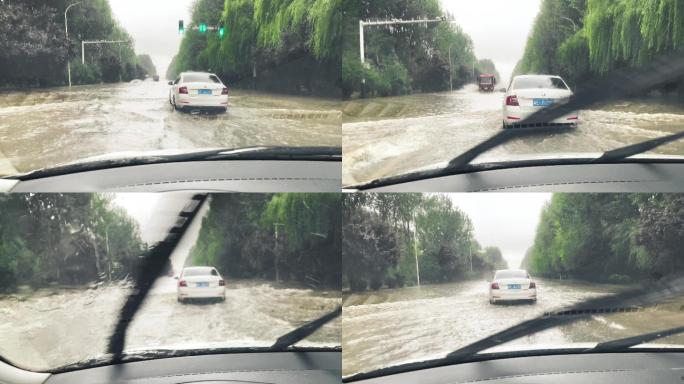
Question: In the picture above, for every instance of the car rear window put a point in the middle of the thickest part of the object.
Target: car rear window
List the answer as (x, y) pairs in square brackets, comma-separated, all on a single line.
[(200, 78), (511, 275), (199, 272), (539, 82)]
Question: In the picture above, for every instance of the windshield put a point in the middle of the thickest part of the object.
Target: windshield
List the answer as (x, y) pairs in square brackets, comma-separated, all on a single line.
[(532, 82), (81, 80), (417, 271), (414, 98), (68, 264)]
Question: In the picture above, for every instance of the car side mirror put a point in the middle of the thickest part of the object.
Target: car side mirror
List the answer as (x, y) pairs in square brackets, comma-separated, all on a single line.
[(170, 82)]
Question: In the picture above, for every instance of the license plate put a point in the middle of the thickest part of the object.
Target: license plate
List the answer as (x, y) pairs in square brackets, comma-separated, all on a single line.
[(201, 285), (514, 286), (542, 102), (204, 92)]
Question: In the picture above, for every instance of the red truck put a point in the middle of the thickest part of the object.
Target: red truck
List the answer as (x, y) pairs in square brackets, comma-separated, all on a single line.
[(486, 82)]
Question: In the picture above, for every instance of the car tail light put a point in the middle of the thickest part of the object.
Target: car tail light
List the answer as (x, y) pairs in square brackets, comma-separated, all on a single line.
[(495, 286), (183, 90), (533, 285), (222, 283), (224, 91), (512, 101), (182, 283)]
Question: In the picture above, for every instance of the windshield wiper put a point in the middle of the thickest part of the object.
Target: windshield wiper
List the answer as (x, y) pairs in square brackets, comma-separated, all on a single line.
[(305, 330), (251, 153), (632, 300), (152, 267), (618, 154), (628, 342)]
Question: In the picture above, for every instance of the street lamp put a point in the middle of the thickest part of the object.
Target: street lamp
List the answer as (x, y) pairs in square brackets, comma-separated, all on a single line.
[(66, 31)]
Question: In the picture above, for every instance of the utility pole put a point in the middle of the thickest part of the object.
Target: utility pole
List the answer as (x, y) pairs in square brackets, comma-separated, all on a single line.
[(415, 249), (451, 81), (276, 258), (66, 31)]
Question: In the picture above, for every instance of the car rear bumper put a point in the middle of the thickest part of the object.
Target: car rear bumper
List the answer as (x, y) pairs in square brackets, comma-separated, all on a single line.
[(513, 117), (197, 293), (202, 102), (508, 295)]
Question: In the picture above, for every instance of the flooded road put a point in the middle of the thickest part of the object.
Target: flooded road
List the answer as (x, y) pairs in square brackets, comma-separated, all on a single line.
[(394, 135), (395, 326), (41, 128), (51, 328)]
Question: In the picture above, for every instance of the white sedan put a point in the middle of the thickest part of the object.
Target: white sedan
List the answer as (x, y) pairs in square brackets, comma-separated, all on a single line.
[(529, 94), (512, 285), (198, 90), (201, 283)]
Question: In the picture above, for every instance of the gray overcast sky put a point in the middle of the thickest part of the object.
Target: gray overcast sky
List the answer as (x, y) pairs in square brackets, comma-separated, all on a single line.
[(505, 220), (154, 26), (499, 28)]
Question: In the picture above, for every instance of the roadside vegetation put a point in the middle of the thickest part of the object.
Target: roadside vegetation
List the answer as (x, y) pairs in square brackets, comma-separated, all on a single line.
[(609, 237), (384, 233), (583, 39), (33, 47), (406, 58), (290, 46), (289, 238), (65, 239)]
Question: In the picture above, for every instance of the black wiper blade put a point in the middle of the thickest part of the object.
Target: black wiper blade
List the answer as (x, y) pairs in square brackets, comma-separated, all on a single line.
[(305, 330), (628, 342), (250, 153), (152, 267), (635, 149)]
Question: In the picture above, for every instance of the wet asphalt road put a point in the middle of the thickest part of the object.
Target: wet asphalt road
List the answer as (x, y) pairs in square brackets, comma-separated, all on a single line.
[(41, 128), (394, 135), (51, 328), (395, 326)]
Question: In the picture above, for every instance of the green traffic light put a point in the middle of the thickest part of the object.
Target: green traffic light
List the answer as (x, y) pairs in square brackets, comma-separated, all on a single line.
[(222, 32), (203, 28)]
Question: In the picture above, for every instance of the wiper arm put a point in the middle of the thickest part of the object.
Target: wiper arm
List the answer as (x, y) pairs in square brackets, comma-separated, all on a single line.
[(152, 267), (635, 149), (623, 344), (305, 330), (619, 84)]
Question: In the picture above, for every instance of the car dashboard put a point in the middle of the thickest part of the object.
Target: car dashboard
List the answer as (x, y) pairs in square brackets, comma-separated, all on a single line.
[(258, 176), (620, 177), (608, 368), (254, 368)]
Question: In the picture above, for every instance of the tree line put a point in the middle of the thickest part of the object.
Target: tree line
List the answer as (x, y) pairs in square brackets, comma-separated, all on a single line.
[(401, 59), (583, 39), (292, 238), (291, 46), (609, 237), (34, 49), (384, 234), (65, 239)]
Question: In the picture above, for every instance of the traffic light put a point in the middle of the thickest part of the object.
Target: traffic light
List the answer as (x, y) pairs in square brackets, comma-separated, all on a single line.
[(203, 28), (181, 27), (222, 31)]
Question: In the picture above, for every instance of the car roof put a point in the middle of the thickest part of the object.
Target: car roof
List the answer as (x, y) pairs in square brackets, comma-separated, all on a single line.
[(511, 270), (528, 76), (198, 267), (196, 73)]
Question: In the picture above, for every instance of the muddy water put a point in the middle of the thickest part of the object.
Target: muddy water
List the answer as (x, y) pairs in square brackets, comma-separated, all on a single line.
[(51, 328), (389, 136), (395, 326), (43, 128)]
